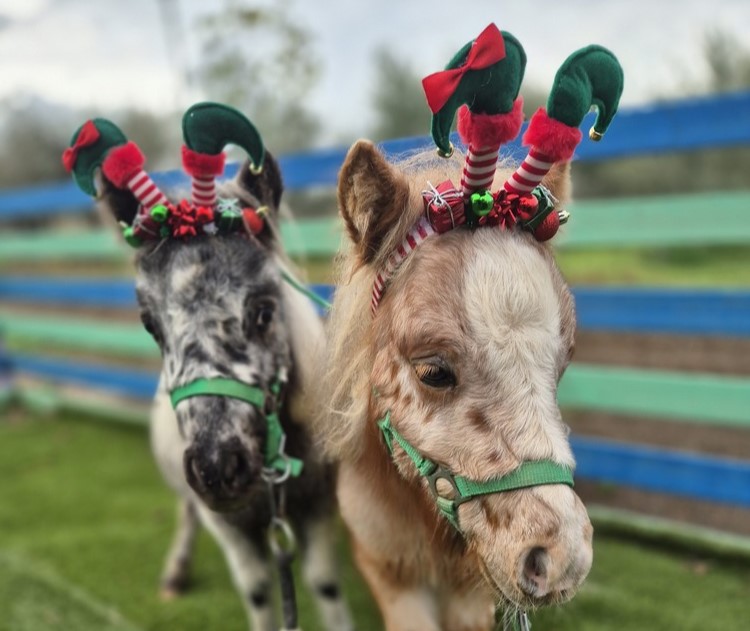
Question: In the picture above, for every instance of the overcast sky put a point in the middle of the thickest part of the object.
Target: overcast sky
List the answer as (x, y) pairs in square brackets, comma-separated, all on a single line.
[(110, 53)]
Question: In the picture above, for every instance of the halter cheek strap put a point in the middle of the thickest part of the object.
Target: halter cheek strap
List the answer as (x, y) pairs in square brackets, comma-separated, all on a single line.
[(528, 474), (267, 403)]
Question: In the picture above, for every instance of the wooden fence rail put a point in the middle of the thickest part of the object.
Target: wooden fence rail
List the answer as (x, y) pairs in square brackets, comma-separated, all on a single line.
[(705, 399)]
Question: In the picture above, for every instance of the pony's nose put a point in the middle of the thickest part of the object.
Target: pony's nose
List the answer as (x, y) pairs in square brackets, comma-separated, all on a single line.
[(236, 471), (227, 476), (533, 578)]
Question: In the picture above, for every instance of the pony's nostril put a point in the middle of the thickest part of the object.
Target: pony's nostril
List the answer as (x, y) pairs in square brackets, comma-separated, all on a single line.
[(231, 464), (534, 572), (236, 471)]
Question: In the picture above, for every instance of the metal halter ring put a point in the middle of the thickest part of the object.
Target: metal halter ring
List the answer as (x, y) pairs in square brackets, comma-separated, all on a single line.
[(281, 537), (272, 476)]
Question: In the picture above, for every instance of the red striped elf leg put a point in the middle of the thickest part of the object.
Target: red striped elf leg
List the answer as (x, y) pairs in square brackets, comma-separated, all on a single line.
[(479, 169), (203, 168), (123, 166), (531, 172), (145, 190), (484, 134), (203, 191), (550, 141)]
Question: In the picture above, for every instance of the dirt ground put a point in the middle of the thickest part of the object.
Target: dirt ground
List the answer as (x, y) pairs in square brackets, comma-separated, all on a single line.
[(687, 354)]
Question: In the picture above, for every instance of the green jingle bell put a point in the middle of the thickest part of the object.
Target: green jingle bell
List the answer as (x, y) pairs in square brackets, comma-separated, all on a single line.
[(159, 213), (131, 238), (481, 203)]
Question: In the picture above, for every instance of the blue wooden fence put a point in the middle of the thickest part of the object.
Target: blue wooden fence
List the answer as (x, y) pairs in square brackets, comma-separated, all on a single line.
[(681, 126)]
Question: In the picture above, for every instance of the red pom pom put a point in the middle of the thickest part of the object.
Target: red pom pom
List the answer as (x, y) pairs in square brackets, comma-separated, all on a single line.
[(122, 163), (548, 228), (481, 130), (553, 138), (202, 164), (253, 221)]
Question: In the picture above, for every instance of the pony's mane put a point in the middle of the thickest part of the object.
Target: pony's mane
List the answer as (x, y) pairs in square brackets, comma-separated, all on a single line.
[(346, 392)]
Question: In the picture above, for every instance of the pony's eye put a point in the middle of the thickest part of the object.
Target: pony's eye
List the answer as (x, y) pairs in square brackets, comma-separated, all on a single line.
[(434, 372), (151, 327), (263, 318)]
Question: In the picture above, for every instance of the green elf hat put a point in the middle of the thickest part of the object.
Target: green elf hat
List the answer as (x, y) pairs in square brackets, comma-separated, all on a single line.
[(590, 77), (88, 148), (207, 128), (100, 144), (486, 74)]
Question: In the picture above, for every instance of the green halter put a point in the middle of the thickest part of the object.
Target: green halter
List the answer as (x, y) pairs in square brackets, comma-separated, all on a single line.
[(530, 473), (266, 402)]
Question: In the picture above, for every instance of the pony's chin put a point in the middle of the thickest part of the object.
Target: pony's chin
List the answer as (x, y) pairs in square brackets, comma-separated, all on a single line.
[(228, 505), (507, 596)]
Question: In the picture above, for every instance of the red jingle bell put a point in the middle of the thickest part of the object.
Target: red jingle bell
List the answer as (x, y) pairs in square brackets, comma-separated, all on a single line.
[(548, 228), (252, 220)]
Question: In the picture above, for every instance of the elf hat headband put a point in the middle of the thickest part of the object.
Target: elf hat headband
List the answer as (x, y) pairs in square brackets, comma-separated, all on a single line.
[(485, 77), (207, 129)]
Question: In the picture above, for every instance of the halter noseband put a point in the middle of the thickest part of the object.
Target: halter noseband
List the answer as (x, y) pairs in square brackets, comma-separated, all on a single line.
[(529, 473), (267, 403)]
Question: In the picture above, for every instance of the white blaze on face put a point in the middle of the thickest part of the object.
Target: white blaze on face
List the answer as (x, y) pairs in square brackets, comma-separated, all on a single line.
[(184, 276), (513, 314)]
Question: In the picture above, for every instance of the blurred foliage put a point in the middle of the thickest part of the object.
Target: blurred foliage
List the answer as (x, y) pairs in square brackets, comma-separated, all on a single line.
[(728, 65), (264, 64), (31, 148), (36, 133), (728, 60), (398, 100)]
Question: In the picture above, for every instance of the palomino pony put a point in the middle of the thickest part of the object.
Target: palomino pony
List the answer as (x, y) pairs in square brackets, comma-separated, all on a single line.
[(240, 347), (450, 330)]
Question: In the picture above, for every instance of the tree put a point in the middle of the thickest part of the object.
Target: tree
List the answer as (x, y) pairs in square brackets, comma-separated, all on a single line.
[(262, 63), (728, 61), (398, 100)]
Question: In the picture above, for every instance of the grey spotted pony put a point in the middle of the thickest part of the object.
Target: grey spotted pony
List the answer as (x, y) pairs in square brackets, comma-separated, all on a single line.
[(241, 352)]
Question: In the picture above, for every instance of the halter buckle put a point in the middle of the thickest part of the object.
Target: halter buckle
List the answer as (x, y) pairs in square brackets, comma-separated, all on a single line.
[(448, 506)]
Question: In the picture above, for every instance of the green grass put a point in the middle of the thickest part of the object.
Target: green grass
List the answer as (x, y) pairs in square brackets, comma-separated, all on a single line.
[(698, 266), (85, 522), (687, 266)]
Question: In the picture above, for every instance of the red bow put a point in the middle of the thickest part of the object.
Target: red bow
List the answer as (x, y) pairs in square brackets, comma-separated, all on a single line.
[(185, 219), (487, 49), (88, 135)]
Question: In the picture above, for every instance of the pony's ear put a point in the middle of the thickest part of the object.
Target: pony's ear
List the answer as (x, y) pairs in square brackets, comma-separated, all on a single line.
[(117, 203), (558, 182), (372, 196), (267, 186)]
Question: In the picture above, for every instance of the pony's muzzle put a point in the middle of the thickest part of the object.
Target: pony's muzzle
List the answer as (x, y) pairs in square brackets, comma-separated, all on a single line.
[(222, 478), (543, 576)]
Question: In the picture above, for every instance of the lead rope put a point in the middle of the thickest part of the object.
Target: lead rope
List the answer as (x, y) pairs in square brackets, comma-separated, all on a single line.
[(517, 621), (283, 546)]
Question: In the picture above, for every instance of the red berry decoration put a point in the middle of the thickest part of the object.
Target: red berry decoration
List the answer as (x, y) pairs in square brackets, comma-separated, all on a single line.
[(253, 221), (548, 228)]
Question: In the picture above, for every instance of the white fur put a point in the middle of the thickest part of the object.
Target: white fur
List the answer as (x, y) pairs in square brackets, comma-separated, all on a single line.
[(514, 320)]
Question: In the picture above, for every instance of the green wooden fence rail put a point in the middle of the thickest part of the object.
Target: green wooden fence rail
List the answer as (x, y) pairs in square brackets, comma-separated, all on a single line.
[(699, 398), (648, 221)]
